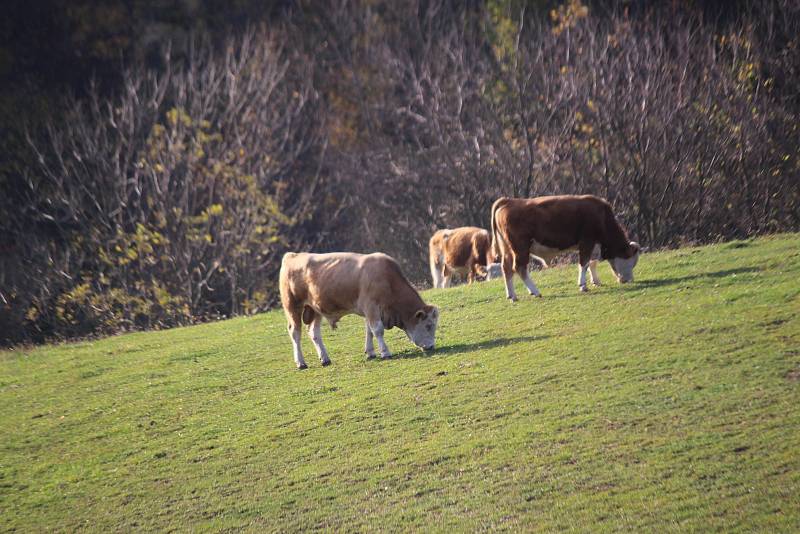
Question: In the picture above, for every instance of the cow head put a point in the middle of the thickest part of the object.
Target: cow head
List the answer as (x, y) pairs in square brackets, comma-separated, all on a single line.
[(494, 270), (623, 265), (421, 329)]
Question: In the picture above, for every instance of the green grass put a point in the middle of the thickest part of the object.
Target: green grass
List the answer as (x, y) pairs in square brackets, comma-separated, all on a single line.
[(669, 404)]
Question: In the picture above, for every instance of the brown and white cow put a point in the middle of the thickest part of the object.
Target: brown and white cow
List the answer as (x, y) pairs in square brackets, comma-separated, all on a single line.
[(548, 226), (461, 250), (330, 286)]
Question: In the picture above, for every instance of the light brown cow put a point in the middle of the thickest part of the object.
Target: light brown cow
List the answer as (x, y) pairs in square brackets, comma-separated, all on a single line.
[(460, 250), (330, 286), (548, 226)]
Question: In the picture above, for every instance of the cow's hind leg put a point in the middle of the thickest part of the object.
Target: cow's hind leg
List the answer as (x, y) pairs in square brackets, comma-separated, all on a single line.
[(295, 324), (315, 333), (369, 346), (593, 273), (521, 267), (528, 281), (508, 275), (436, 269), (447, 276)]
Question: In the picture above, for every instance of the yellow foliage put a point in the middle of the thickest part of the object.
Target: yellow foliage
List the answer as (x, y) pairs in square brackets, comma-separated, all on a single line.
[(177, 116), (32, 313), (567, 15)]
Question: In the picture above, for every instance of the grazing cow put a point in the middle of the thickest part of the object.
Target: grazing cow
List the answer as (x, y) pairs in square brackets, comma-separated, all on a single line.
[(330, 286), (460, 250), (548, 226)]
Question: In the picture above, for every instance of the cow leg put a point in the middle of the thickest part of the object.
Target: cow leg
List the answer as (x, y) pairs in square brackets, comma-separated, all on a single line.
[(315, 333), (521, 267), (436, 270), (294, 333), (377, 330), (582, 276), (585, 256), (593, 273), (447, 277), (369, 346), (442, 276), (532, 289), (481, 272), (470, 271), (508, 274)]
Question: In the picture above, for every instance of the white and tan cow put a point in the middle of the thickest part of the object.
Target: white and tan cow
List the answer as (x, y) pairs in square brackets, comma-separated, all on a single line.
[(330, 286), (459, 250), (548, 226)]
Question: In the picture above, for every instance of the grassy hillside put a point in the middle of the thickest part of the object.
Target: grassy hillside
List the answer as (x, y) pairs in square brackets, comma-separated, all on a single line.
[(669, 404)]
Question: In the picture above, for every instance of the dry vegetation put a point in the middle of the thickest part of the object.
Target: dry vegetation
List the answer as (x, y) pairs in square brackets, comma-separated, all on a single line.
[(168, 199)]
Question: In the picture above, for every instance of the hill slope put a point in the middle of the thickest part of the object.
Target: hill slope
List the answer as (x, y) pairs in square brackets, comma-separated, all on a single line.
[(667, 404)]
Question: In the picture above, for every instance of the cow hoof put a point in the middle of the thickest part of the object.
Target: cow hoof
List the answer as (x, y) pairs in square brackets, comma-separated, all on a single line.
[(301, 367), (584, 289), (538, 295), (385, 356), (326, 363), (370, 356), (512, 299)]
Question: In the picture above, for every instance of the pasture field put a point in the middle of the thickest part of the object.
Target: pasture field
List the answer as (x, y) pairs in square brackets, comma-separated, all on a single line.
[(668, 405)]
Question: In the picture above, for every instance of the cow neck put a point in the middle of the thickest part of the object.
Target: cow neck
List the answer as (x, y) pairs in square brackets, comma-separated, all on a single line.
[(406, 303), (616, 239)]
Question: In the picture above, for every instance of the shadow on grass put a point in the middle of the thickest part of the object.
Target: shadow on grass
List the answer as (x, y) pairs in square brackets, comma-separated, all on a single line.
[(460, 348), (637, 284), (659, 282)]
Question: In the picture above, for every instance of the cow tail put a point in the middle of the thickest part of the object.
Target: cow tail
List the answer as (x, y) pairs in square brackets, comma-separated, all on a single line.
[(434, 257), (495, 250)]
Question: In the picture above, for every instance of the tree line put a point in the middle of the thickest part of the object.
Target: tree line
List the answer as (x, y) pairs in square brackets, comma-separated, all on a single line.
[(169, 197)]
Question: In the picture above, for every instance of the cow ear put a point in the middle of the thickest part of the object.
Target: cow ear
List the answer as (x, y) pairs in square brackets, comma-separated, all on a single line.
[(433, 311), (420, 315)]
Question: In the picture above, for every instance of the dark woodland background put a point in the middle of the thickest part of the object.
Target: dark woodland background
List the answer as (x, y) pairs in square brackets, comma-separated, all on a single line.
[(158, 157)]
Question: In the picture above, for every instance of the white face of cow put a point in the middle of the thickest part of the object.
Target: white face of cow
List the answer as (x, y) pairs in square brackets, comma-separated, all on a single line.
[(623, 267), (493, 271), (422, 332)]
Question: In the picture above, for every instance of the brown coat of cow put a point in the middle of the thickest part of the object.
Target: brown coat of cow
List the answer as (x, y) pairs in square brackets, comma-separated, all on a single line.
[(548, 226), (460, 250), (330, 286)]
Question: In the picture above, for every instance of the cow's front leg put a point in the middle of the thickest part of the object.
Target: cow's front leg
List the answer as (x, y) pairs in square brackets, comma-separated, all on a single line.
[(377, 331), (471, 272), (369, 346), (593, 273), (315, 333), (508, 275), (294, 333)]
